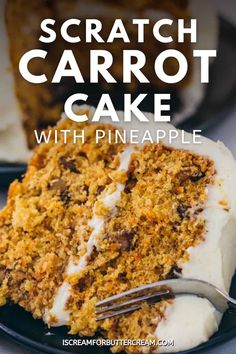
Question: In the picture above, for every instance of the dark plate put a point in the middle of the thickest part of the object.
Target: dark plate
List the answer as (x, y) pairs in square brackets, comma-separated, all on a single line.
[(218, 102), (9, 172), (20, 326)]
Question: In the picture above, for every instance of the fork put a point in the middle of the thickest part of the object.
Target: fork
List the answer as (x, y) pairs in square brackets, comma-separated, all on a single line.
[(133, 299)]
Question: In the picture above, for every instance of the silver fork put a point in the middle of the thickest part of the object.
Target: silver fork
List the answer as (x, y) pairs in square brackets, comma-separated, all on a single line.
[(133, 299)]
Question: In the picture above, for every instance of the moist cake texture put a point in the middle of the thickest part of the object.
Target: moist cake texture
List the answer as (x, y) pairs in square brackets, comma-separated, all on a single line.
[(91, 220)]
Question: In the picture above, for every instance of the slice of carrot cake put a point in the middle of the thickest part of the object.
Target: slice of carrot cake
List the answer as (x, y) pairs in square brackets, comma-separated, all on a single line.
[(90, 220)]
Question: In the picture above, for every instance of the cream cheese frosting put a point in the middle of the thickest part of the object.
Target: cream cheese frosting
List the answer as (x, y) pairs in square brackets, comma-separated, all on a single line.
[(186, 326)]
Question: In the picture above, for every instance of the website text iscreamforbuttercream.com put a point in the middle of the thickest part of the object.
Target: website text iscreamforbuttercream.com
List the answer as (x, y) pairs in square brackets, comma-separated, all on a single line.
[(118, 342)]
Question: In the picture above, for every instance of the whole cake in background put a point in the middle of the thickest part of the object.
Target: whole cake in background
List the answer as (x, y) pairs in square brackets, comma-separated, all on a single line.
[(91, 220), (25, 106)]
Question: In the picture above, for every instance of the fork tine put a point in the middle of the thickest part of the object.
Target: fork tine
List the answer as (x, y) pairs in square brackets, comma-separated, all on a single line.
[(133, 301), (117, 313), (220, 299), (128, 293)]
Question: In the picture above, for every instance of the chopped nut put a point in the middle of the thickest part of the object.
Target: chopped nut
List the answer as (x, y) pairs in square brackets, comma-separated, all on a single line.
[(68, 164), (125, 240), (130, 183), (181, 209), (122, 277), (81, 284), (79, 304), (100, 189), (86, 189), (94, 254), (58, 185), (83, 154), (198, 211), (197, 176), (65, 197)]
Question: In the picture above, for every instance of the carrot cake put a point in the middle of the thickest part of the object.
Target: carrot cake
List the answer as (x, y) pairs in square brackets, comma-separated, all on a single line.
[(40, 105), (91, 220)]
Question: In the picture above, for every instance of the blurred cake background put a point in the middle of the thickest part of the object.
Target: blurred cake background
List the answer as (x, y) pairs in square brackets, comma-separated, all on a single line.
[(25, 107)]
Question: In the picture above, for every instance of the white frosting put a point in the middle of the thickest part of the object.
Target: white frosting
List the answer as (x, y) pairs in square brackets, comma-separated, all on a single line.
[(188, 322), (212, 260), (13, 147), (58, 311), (97, 223)]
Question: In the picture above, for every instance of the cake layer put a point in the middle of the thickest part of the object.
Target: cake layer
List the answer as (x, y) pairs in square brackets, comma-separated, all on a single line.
[(93, 220)]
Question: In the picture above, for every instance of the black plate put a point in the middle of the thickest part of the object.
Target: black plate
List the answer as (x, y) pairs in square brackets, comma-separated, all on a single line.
[(22, 328), (218, 102), (9, 172)]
